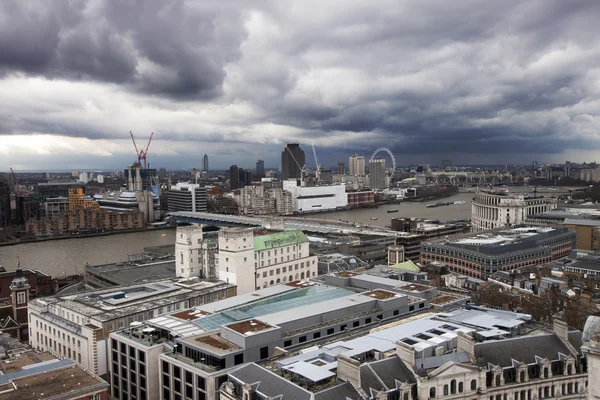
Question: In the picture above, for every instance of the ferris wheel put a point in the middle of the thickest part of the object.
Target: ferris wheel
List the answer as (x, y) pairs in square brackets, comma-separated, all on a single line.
[(384, 150)]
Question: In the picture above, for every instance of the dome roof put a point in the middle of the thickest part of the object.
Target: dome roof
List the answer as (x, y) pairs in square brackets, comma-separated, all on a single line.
[(592, 325)]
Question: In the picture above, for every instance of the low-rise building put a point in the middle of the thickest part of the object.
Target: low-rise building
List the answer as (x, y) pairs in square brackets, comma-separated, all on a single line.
[(188, 353), (76, 327), (32, 375), (185, 196), (307, 199), (361, 198), (479, 255), (458, 355), (260, 200)]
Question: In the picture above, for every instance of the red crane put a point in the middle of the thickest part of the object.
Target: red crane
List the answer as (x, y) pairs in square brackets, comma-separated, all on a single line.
[(141, 154), (16, 181)]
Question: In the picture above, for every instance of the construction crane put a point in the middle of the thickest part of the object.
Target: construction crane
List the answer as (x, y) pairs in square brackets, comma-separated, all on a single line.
[(17, 187), (318, 165), (302, 168), (143, 153)]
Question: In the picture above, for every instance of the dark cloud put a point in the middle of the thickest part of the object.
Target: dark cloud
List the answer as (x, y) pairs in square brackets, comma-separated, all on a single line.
[(175, 49), (423, 78)]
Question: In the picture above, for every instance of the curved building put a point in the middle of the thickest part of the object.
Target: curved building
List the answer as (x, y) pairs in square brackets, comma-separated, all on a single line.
[(497, 209)]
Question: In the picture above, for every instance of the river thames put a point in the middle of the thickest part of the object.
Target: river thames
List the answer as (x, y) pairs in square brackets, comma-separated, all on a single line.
[(60, 257)]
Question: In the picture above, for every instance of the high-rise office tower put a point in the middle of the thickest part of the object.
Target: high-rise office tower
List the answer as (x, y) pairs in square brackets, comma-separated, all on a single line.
[(341, 168), (205, 163), (245, 177), (357, 165), (260, 168), (234, 178), (377, 173), (292, 161)]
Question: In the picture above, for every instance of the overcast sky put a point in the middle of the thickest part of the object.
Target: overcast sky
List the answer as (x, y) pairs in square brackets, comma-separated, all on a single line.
[(479, 82)]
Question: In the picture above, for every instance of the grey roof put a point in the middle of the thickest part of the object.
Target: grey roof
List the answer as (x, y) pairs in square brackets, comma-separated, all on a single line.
[(36, 369), (341, 392), (575, 338), (391, 369), (525, 349), (369, 380), (438, 361), (269, 384)]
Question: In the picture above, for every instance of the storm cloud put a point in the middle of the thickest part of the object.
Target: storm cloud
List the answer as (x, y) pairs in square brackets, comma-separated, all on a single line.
[(427, 79)]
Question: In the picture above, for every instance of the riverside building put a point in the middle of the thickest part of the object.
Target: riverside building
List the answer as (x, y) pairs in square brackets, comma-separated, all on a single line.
[(497, 209), (255, 262), (481, 254)]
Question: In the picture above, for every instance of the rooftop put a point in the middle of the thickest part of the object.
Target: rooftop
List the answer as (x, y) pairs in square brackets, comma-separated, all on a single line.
[(49, 380), (249, 327), (109, 304), (275, 240), (291, 299), (381, 294)]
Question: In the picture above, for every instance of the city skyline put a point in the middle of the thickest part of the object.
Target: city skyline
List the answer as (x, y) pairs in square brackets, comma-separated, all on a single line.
[(478, 83)]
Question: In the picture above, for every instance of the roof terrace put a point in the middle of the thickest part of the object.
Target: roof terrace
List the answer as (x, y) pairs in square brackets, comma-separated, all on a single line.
[(380, 294), (249, 327)]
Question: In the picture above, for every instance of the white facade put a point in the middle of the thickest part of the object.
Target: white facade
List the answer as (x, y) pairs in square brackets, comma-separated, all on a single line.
[(357, 165), (100, 178), (316, 198), (495, 210), (77, 327), (83, 177), (236, 258), (188, 246), (253, 263)]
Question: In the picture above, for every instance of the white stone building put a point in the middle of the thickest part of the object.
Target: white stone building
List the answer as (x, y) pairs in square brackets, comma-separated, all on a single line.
[(256, 262), (77, 326), (498, 209), (306, 199)]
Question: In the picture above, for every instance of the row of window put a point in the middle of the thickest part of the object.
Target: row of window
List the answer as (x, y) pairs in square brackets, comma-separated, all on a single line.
[(178, 383), (57, 348), (343, 327), (128, 372)]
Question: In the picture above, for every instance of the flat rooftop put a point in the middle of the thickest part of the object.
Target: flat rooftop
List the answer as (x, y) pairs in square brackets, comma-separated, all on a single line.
[(50, 383), (215, 342), (108, 304), (292, 299), (249, 327), (380, 294), (503, 237)]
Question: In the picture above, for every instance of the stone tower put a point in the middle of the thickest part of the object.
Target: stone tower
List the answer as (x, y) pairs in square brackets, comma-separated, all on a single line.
[(19, 289)]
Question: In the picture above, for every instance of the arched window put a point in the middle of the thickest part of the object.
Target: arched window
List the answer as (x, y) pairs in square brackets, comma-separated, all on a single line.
[(453, 386), (569, 369), (405, 397), (302, 275), (546, 372), (498, 380), (522, 376), (445, 390), (474, 384), (432, 393), (460, 387), (278, 280), (291, 278), (271, 283)]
